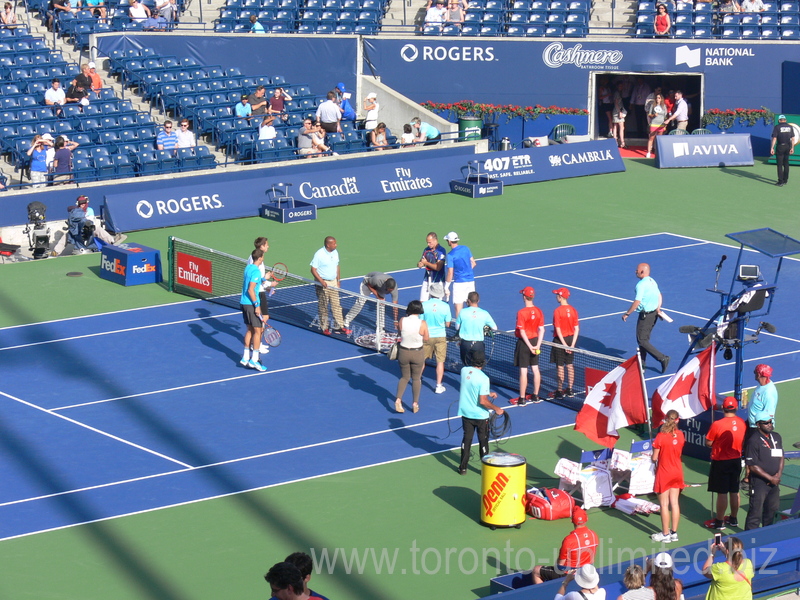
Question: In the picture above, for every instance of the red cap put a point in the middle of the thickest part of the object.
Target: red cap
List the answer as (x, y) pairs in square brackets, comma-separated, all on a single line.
[(528, 291), (579, 516), (562, 291), (764, 371), (730, 403)]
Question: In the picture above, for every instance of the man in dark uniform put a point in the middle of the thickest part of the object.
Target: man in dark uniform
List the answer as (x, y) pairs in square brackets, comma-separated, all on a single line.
[(783, 142), (763, 454)]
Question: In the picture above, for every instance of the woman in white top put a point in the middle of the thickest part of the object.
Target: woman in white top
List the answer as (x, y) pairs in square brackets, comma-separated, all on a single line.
[(657, 115), (372, 107), (138, 12), (588, 580), (411, 357)]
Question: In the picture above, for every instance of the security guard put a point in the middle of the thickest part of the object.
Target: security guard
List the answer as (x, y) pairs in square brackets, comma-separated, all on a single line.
[(763, 454), (783, 142)]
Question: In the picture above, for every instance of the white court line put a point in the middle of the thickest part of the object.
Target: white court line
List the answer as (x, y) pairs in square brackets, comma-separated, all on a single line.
[(253, 489), (95, 430), (128, 330), (212, 382)]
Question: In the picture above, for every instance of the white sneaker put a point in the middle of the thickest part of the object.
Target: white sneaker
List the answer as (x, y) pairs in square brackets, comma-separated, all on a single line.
[(673, 537), (649, 155), (257, 366), (440, 389), (661, 537), (244, 362)]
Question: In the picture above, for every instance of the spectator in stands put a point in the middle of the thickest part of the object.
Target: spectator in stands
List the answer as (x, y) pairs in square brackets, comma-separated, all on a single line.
[(662, 579), (185, 136), (9, 17), (634, 581), (411, 356), (305, 565), (62, 161), (55, 96), (286, 582), (752, 6), (455, 14), (258, 101), (168, 10), (167, 139), (407, 139), (733, 578), (725, 437), (656, 116), (311, 139), (277, 103), (425, 132), (371, 107), (77, 94), (55, 8), (138, 12), (255, 26), (377, 138), (729, 6), (51, 151), (343, 100), (85, 78), (97, 8), (662, 23), (75, 5), (577, 550), (680, 112), (763, 456), (242, 109), (94, 77), (38, 154), (435, 15), (618, 115), (329, 114), (266, 131), (588, 579), (667, 452)]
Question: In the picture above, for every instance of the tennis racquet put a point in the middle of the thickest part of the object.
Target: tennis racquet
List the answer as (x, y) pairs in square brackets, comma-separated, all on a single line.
[(271, 336), (279, 273), (488, 332)]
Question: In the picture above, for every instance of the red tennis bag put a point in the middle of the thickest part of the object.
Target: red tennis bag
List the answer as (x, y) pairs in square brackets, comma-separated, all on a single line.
[(548, 504)]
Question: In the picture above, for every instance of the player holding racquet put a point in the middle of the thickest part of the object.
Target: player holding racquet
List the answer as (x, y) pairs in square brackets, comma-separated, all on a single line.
[(262, 243), (433, 257), (251, 310)]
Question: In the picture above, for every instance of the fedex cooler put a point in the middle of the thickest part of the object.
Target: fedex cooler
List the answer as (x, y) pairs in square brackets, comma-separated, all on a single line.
[(503, 489)]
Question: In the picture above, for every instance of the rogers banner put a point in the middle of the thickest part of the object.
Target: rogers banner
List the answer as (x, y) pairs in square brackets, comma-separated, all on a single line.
[(339, 182)]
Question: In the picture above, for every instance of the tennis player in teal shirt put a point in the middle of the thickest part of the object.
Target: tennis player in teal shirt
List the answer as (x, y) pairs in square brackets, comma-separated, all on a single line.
[(474, 405), (470, 323), (251, 311)]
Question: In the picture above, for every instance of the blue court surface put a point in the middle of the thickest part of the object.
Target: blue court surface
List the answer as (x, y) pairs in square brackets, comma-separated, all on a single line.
[(131, 411)]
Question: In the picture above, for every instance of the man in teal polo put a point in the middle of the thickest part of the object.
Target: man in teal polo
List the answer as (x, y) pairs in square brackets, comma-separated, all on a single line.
[(474, 405), (647, 304)]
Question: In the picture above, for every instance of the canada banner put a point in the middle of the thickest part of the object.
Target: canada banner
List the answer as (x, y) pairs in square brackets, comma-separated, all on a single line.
[(619, 399), (690, 391)]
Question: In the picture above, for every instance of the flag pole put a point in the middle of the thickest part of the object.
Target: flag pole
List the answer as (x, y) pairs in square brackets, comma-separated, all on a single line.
[(646, 398)]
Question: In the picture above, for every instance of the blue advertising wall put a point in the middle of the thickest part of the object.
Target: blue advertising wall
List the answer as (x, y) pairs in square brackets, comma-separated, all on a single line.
[(716, 150), (387, 176), (320, 62), (511, 71)]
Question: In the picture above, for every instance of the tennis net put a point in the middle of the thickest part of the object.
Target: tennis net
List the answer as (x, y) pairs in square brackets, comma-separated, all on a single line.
[(209, 274)]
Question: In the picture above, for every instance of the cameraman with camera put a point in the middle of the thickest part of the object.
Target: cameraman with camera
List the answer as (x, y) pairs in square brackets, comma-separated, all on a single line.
[(83, 226)]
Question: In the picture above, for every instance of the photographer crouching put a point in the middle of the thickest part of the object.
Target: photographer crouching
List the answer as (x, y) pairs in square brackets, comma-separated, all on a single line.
[(82, 227)]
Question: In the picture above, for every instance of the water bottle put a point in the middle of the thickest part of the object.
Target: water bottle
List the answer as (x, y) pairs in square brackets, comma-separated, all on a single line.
[(745, 397)]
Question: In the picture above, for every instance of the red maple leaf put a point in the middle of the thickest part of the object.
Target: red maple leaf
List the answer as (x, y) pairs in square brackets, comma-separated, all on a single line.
[(609, 394), (682, 387)]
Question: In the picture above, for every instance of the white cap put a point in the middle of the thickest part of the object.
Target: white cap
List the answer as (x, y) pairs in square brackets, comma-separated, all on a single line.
[(47, 137), (92, 65), (451, 237), (663, 561), (372, 95)]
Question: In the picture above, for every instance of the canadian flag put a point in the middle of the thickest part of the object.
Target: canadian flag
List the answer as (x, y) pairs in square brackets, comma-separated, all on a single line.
[(618, 400), (690, 391)]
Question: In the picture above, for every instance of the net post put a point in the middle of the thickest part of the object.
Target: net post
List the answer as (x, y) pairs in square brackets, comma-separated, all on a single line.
[(379, 324), (171, 262)]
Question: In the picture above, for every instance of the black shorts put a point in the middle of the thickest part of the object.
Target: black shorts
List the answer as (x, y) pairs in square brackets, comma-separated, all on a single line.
[(522, 355), (559, 355), (250, 317), (550, 573), (724, 475), (262, 297)]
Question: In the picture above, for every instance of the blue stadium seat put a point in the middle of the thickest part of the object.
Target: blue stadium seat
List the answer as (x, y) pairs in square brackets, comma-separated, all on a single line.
[(104, 167), (554, 31), (537, 19), (470, 30), (451, 30), (205, 159), (703, 19), (515, 31), (683, 31), (770, 32), (790, 33), (644, 31), (702, 33), (574, 31), (789, 20), (534, 31), (187, 159)]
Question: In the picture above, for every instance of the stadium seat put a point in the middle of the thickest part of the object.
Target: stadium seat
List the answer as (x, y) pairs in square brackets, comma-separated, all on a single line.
[(534, 31), (515, 31), (554, 31), (790, 33), (574, 31), (769, 33), (702, 33), (683, 31), (537, 19), (451, 30)]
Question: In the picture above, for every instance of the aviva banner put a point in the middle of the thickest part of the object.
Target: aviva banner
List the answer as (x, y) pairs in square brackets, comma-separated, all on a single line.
[(716, 150), (390, 176)]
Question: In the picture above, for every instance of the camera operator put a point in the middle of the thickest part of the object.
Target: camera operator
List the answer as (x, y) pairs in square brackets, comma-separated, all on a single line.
[(82, 213)]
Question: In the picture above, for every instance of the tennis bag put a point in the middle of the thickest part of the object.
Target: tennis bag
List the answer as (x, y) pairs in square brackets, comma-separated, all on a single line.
[(548, 504)]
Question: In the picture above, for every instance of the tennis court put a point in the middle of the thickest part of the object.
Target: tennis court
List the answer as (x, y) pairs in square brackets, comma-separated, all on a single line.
[(129, 411)]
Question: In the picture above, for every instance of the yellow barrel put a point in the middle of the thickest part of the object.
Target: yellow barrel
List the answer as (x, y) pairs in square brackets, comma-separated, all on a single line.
[(503, 490)]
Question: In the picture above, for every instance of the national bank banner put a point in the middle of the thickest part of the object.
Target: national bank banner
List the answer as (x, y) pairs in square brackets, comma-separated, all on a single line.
[(716, 150), (351, 181)]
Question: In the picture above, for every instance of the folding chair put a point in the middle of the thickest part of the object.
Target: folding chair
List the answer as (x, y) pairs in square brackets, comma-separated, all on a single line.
[(591, 477)]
